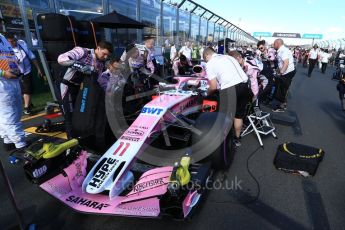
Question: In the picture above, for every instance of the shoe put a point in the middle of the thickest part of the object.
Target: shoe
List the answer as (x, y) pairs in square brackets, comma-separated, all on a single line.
[(9, 147), (237, 142), (18, 155), (27, 111), (278, 110)]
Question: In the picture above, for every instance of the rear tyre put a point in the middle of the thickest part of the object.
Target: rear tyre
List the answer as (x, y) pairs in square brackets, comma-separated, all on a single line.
[(56, 27)]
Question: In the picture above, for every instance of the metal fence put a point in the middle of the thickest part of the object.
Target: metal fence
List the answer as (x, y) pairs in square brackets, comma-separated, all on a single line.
[(333, 44)]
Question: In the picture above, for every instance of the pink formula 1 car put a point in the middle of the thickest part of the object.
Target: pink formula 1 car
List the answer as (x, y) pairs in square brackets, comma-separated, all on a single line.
[(135, 177)]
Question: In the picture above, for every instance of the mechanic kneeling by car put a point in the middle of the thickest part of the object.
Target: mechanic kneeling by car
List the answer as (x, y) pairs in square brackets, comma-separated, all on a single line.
[(182, 66), (223, 72)]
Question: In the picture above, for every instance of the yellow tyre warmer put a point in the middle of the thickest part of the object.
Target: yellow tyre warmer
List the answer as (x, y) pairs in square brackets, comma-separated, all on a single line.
[(50, 150), (293, 157), (50, 160)]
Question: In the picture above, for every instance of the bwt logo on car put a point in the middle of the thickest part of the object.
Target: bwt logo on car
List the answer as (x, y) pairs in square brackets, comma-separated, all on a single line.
[(103, 172), (152, 111)]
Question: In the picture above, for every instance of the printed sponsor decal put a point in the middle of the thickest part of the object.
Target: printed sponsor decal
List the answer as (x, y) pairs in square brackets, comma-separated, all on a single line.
[(102, 173), (209, 108), (127, 138), (83, 100), (147, 184), (40, 171), (189, 104), (56, 189), (134, 132), (203, 83), (137, 210), (140, 127), (108, 166), (286, 35), (152, 111), (87, 202)]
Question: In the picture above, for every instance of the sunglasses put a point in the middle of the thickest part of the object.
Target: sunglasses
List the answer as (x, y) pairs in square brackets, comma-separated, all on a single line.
[(261, 48)]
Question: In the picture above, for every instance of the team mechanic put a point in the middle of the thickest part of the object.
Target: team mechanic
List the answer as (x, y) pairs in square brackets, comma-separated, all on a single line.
[(80, 61), (10, 99), (224, 72), (286, 73), (141, 57)]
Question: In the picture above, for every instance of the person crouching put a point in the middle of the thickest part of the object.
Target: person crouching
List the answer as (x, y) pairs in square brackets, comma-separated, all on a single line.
[(182, 66), (112, 79)]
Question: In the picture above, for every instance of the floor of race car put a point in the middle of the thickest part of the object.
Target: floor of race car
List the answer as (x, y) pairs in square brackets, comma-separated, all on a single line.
[(285, 202)]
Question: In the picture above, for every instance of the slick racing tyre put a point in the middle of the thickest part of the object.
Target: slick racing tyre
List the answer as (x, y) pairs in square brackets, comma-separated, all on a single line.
[(215, 126), (89, 34), (57, 27), (55, 48)]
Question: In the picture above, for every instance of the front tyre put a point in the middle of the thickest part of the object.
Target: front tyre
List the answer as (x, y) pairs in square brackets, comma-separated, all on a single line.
[(217, 130)]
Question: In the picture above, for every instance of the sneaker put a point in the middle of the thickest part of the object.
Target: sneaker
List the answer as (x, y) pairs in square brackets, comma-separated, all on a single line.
[(27, 111), (278, 110), (18, 155), (9, 147), (237, 142)]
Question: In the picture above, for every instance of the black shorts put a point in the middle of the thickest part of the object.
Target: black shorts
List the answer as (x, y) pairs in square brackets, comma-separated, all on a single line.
[(26, 83), (243, 96)]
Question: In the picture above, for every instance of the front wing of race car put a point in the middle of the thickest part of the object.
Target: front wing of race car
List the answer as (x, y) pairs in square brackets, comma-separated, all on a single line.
[(151, 196)]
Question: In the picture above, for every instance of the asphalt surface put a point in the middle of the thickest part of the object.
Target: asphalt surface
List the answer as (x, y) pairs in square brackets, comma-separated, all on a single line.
[(285, 201)]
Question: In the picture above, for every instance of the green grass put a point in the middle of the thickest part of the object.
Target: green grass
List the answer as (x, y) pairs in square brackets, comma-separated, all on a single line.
[(40, 101)]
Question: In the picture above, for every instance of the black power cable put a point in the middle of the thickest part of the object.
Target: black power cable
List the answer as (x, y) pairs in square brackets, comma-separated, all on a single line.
[(253, 177)]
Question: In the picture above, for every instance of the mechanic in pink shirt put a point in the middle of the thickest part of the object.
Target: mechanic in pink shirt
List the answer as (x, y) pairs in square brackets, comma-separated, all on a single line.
[(251, 69), (182, 66), (80, 62)]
